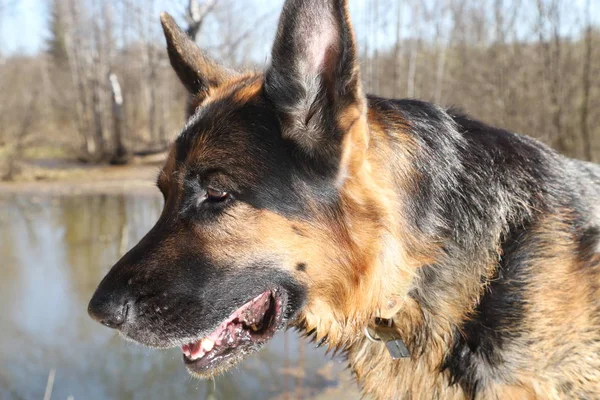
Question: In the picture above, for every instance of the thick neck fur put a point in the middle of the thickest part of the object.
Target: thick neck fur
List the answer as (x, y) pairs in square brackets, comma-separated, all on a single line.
[(443, 247)]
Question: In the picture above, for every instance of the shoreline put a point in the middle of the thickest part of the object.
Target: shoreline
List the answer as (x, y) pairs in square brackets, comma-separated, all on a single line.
[(70, 178), (72, 188)]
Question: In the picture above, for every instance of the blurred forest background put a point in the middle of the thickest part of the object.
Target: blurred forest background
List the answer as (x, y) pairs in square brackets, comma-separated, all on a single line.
[(100, 89)]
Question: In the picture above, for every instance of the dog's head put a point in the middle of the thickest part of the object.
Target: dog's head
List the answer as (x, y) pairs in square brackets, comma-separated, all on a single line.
[(270, 212)]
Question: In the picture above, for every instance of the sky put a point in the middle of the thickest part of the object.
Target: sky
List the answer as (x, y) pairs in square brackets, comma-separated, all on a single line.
[(24, 23)]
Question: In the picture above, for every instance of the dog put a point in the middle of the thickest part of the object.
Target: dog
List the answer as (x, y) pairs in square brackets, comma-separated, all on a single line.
[(447, 259)]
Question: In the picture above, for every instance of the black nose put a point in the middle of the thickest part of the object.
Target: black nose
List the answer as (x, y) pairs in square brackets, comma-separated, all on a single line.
[(108, 311)]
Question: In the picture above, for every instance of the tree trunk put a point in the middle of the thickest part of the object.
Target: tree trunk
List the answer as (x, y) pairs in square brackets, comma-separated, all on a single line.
[(398, 51), (412, 62), (24, 130), (120, 155), (586, 82), (97, 113), (195, 16)]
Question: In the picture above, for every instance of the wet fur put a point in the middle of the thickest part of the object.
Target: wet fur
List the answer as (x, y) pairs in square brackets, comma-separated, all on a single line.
[(490, 240)]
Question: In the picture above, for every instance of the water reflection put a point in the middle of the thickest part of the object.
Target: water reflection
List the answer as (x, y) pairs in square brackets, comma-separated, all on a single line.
[(54, 251)]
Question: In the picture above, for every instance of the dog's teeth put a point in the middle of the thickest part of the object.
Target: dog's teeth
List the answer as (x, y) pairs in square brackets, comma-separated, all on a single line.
[(207, 344)]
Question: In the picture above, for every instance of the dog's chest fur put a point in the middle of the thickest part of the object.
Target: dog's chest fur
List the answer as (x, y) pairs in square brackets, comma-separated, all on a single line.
[(532, 329)]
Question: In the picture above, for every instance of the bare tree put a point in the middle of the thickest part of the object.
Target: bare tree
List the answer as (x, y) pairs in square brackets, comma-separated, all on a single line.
[(76, 58), (24, 130), (488, 57), (414, 50), (587, 84), (120, 154), (196, 15), (397, 50), (551, 46)]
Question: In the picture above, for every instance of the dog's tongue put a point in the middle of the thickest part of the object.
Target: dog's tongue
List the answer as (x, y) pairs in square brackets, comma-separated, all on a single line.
[(231, 332)]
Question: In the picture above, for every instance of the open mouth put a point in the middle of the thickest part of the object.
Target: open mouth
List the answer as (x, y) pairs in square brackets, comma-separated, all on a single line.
[(243, 332)]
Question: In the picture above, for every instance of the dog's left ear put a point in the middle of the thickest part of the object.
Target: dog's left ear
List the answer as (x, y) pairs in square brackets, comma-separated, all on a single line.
[(314, 76), (195, 70)]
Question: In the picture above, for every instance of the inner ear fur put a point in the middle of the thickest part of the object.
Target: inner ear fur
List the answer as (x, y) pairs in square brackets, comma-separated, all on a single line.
[(314, 78)]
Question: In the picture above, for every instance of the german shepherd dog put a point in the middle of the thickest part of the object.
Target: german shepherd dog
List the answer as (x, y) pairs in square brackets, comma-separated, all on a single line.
[(446, 258)]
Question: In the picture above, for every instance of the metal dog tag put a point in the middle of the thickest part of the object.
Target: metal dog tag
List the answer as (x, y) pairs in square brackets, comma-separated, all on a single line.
[(397, 349), (393, 342)]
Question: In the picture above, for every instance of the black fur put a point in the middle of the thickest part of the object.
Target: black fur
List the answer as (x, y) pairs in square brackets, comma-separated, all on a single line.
[(589, 245), (479, 185), (196, 70), (475, 191), (498, 317), (170, 307), (313, 76), (256, 164), (301, 267)]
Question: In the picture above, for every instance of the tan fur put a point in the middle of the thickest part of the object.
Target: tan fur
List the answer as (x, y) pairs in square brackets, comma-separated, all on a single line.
[(355, 265), (349, 249)]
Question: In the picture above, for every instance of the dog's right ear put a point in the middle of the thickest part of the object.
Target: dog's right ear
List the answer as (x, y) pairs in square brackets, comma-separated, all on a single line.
[(197, 72), (314, 79)]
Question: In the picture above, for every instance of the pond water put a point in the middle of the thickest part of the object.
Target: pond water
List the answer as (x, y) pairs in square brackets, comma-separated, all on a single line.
[(53, 253)]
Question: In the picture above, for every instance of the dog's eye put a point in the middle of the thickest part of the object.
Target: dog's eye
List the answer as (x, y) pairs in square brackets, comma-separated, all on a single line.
[(215, 196)]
